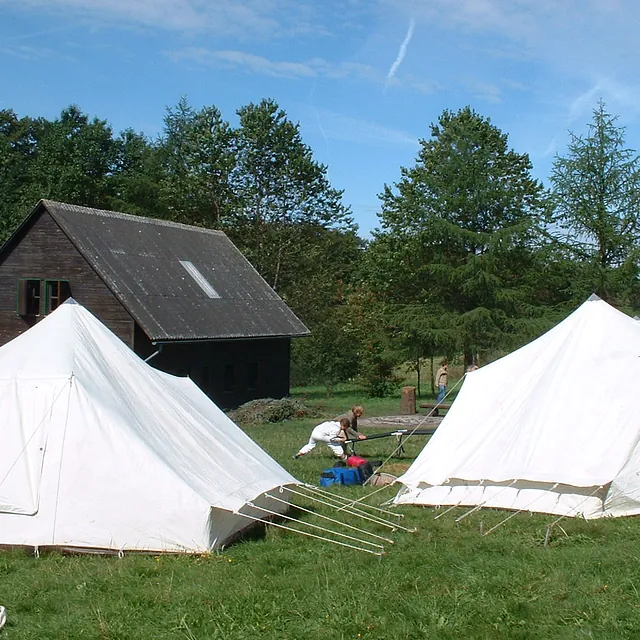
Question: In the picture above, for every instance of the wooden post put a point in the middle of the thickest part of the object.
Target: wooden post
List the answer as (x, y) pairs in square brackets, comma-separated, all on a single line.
[(408, 401)]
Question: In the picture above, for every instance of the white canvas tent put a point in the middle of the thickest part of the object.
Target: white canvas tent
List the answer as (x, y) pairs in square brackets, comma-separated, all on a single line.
[(98, 450), (553, 427)]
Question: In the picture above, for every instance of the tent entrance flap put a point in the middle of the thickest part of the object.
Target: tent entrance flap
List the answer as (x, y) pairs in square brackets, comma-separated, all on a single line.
[(32, 406)]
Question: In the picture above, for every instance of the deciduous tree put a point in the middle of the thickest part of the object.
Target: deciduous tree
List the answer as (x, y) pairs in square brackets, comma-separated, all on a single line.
[(285, 198), (197, 157), (74, 160)]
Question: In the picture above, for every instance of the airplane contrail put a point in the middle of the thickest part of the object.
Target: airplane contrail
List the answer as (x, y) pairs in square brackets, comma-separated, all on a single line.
[(402, 51), (313, 105)]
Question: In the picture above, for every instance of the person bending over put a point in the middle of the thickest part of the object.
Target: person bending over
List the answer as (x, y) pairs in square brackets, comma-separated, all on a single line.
[(333, 433)]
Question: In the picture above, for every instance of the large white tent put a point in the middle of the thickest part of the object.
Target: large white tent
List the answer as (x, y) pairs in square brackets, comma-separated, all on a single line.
[(98, 450), (553, 427)]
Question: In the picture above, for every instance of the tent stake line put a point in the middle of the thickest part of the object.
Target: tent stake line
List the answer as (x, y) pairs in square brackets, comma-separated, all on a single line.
[(310, 535), (342, 524), (338, 498), (316, 526), (479, 506), (486, 533), (356, 512), (555, 522), (359, 514), (363, 498)]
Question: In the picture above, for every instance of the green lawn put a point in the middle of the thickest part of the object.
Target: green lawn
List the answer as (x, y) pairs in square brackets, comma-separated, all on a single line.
[(444, 581)]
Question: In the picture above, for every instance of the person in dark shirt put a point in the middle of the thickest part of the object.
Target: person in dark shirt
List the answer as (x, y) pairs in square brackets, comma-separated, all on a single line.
[(352, 416)]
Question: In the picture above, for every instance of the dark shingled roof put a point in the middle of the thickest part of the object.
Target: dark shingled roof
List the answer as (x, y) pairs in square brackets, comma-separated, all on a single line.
[(141, 261)]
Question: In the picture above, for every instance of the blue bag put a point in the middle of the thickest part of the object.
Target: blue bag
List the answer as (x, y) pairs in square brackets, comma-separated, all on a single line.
[(340, 475)]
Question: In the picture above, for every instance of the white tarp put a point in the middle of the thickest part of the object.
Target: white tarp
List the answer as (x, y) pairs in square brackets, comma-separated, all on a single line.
[(553, 427), (100, 450)]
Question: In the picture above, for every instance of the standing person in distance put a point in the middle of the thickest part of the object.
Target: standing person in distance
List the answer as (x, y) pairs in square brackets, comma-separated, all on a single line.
[(442, 380)]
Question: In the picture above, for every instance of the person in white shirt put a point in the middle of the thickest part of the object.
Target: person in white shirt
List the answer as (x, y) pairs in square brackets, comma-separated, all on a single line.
[(333, 433)]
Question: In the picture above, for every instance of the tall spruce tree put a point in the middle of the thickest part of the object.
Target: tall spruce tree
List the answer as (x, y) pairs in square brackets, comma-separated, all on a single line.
[(457, 235)]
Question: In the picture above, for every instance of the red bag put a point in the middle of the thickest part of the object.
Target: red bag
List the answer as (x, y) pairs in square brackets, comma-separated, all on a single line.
[(355, 461)]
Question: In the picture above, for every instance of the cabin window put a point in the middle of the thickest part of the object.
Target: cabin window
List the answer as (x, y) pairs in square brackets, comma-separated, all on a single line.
[(29, 294), (252, 376), (38, 297), (57, 292), (229, 378)]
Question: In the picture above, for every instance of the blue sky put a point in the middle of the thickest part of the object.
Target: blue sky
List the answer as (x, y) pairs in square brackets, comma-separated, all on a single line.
[(364, 78)]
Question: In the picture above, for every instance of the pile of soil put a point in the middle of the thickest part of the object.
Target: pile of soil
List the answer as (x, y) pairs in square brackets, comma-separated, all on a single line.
[(270, 410)]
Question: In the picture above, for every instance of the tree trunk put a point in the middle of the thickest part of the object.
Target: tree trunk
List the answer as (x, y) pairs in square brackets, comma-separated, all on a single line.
[(469, 360), (433, 376)]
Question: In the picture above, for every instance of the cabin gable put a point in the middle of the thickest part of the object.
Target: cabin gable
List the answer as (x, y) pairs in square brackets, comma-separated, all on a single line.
[(42, 253)]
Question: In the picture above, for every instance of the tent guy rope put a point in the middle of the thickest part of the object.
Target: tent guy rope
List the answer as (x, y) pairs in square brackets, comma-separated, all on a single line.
[(338, 522), (379, 549), (310, 535), (362, 514)]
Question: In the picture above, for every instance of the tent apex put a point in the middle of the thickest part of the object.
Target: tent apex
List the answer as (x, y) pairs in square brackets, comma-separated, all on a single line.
[(594, 298), (70, 301)]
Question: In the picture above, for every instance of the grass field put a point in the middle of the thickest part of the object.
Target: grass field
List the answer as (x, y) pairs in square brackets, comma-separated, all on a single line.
[(445, 580)]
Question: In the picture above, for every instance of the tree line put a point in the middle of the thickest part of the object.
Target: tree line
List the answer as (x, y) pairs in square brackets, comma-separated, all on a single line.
[(472, 256)]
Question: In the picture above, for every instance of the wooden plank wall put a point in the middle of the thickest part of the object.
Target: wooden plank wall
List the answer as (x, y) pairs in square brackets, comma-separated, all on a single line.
[(45, 252)]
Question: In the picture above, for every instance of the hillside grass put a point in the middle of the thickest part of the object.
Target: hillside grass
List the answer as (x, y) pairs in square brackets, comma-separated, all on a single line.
[(444, 581)]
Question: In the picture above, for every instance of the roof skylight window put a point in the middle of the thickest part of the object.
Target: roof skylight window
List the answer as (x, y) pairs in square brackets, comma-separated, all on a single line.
[(202, 282)]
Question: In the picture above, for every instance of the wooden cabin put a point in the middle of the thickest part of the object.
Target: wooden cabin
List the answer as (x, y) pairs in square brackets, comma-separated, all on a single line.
[(183, 298)]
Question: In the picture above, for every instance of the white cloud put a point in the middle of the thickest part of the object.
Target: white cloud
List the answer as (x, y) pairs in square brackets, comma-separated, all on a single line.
[(241, 60), (223, 17), (245, 61), (551, 148), (312, 68)]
